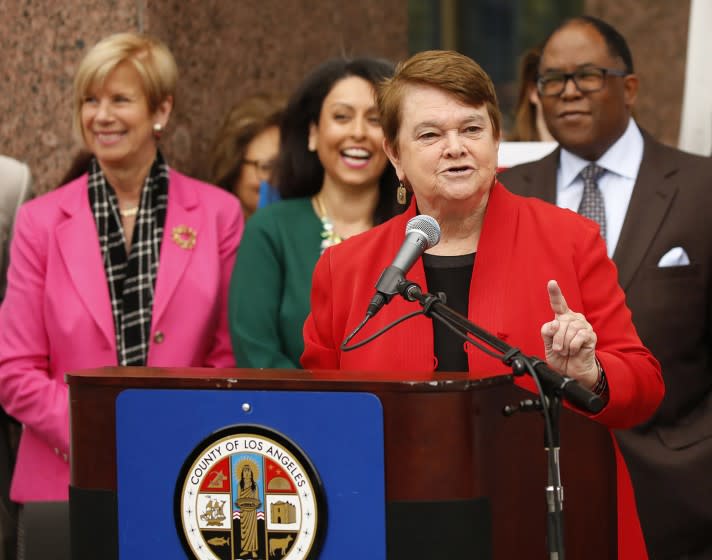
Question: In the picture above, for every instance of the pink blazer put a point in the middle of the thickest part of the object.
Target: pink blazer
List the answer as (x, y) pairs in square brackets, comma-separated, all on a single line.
[(524, 243), (56, 316)]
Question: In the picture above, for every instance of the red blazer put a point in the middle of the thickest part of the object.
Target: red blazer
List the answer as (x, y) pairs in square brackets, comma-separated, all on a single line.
[(523, 244)]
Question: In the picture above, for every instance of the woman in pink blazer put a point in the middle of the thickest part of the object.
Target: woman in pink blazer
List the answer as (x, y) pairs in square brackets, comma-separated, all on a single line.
[(127, 265)]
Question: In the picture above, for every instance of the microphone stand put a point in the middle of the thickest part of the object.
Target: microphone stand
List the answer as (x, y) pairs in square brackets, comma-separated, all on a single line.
[(552, 389)]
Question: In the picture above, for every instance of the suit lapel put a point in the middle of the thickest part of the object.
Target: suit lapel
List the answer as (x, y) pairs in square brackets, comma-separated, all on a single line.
[(183, 222), (79, 247), (492, 273), (539, 178), (415, 349), (653, 193)]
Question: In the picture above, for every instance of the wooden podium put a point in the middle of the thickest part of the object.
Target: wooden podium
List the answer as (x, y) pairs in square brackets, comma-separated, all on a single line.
[(458, 473)]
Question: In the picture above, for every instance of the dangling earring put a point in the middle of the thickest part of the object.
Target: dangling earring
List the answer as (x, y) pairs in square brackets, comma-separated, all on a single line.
[(401, 193), (157, 130)]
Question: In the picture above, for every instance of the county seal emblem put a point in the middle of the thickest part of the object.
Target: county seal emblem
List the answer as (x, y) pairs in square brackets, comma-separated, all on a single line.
[(248, 492)]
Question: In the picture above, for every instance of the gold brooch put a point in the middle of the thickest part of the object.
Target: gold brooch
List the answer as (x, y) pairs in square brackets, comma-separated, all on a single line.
[(184, 237)]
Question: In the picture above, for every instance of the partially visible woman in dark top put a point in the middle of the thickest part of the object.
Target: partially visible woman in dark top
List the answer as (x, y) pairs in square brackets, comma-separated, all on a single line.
[(245, 150), (335, 182), (529, 125)]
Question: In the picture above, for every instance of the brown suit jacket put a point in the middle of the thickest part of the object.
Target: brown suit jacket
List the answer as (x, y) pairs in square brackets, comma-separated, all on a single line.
[(670, 456)]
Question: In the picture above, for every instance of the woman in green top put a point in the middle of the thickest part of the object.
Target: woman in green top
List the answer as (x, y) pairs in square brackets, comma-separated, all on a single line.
[(335, 182)]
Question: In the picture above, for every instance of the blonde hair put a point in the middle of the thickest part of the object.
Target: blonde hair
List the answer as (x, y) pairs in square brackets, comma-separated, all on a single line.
[(151, 58), (448, 71)]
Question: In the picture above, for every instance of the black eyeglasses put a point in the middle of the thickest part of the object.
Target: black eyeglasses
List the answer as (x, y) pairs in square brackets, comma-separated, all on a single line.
[(263, 168), (587, 80)]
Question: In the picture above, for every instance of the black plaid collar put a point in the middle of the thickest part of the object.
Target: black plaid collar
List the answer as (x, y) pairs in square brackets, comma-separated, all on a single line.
[(131, 278)]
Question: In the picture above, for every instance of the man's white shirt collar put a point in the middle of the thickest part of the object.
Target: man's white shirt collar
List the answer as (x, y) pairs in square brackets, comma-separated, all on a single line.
[(622, 158)]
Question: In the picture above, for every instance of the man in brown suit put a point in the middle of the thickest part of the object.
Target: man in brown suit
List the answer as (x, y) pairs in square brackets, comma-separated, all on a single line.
[(653, 203)]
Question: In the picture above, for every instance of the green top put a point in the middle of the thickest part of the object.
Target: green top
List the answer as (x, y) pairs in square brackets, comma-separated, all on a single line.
[(271, 284)]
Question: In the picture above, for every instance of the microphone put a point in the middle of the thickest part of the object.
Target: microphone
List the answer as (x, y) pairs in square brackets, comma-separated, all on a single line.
[(421, 233)]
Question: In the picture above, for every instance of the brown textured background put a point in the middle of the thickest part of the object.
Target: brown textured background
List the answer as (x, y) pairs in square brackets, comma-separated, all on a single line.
[(227, 49)]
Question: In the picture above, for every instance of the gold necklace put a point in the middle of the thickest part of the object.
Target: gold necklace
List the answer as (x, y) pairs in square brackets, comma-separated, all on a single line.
[(128, 212), (328, 236)]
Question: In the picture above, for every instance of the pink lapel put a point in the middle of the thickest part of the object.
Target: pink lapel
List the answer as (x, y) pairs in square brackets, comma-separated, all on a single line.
[(79, 246), (183, 220)]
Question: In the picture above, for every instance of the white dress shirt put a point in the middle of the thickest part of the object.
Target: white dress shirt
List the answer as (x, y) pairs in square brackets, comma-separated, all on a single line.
[(621, 162)]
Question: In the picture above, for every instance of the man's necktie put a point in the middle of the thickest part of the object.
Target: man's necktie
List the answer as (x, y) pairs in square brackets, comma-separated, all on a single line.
[(592, 202)]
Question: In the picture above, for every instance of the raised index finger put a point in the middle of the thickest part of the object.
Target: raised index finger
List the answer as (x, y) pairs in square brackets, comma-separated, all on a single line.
[(556, 298)]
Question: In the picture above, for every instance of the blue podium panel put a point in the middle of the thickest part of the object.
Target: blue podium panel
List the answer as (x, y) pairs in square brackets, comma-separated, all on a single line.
[(339, 434)]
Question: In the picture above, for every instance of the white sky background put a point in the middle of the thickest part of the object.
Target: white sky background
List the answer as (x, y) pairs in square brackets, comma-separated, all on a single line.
[(696, 121)]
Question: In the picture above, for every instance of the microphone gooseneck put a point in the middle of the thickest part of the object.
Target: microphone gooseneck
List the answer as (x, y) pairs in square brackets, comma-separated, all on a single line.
[(421, 233)]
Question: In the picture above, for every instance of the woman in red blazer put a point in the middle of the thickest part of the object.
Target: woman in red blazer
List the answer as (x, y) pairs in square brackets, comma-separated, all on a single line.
[(127, 265), (505, 262)]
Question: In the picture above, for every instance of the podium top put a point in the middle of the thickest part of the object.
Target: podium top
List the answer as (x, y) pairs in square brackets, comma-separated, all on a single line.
[(251, 379)]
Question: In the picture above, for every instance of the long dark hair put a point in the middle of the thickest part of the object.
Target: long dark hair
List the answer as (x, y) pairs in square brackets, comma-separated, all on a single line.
[(299, 172)]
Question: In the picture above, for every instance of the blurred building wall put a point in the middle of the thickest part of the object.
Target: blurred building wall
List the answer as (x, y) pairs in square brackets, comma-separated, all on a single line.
[(226, 49)]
